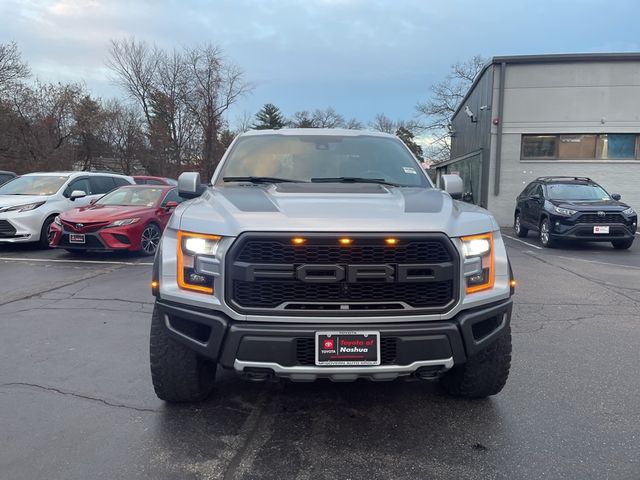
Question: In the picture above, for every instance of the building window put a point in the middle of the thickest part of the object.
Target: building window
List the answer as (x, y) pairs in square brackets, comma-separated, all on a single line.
[(537, 147), (577, 147), (606, 146)]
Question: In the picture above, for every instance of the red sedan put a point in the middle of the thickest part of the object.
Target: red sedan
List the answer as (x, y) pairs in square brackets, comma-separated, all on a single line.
[(129, 218)]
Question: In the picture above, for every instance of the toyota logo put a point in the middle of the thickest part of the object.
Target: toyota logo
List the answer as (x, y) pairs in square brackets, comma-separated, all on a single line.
[(79, 226), (601, 214)]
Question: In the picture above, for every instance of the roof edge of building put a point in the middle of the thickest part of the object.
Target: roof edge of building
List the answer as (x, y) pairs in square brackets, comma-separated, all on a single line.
[(548, 58)]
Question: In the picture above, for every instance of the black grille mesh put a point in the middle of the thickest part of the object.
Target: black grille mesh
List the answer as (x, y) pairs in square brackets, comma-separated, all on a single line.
[(272, 294), (595, 218), (273, 251), (293, 295)]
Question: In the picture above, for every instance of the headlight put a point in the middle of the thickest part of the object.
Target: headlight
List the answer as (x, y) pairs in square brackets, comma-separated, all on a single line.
[(190, 247), (122, 223), (567, 212), (57, 220), (479, 262), (629, 211), (24, 208)]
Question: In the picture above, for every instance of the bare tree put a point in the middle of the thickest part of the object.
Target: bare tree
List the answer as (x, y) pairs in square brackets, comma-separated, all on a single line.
[(125, 136), (353, 124), (302, 119), (12, 68), (214, 85), (44, 125), (382, 123), (327, 118), (436, 112), (134, 65)]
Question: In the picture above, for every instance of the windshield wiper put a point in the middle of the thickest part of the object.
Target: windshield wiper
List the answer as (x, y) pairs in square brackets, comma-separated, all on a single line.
[(380, 181), (260, 179)]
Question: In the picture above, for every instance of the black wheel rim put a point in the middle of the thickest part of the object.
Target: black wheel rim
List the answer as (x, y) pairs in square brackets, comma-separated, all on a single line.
[(150, 239)]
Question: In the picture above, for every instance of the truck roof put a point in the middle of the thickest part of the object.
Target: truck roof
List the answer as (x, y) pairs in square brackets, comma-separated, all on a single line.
[(318, 132)]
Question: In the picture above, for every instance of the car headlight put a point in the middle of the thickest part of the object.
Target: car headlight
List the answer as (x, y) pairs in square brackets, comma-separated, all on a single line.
[(479, 270), (24, 208), (122, 223), (629, 211), (190, 247), (567, 212), (57, 220)]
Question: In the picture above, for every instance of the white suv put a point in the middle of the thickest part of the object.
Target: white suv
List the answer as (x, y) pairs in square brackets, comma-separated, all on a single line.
[(28, 204)]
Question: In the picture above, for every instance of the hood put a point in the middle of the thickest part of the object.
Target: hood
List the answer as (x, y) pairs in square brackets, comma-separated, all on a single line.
[(330, 207), (592, 205), (103, 213), (11, 200)]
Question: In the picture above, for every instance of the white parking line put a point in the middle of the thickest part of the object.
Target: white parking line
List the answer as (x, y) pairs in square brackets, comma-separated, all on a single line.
[(98, 262), (522, 241)]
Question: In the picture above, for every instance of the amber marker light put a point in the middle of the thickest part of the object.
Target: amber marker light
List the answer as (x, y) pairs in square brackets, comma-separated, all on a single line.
[(298, 240), (391, 241), (155, 284), (513, 284), (345, 241)]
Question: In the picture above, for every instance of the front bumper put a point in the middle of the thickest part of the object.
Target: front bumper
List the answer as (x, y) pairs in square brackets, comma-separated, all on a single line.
[(584, 232), (285, 349), (18, 227), (119, 238)]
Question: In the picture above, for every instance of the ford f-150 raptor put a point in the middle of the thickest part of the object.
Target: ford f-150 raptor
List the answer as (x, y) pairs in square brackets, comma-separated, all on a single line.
[(328, 254)]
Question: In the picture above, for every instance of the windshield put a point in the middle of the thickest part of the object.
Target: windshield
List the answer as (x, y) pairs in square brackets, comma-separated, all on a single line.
[(302, 158), (33, 185), (132, 197), (576, 191)]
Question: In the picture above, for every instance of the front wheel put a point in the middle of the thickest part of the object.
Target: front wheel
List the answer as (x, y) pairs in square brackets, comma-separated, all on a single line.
[(517, 226), (178, 373), (484, 374), (150, 239), (545, 234), (622, 244), (45, 233)]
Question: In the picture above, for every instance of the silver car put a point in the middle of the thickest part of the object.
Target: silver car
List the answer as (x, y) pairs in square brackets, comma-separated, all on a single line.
[(30, 203)]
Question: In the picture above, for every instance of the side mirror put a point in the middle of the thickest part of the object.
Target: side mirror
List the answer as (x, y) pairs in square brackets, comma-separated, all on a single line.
[(77, 194), (170, 206), (616, 196), (453, 185), (189, 185)]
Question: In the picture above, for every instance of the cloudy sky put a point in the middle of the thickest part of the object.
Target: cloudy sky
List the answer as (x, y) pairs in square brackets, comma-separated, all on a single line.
[(359, 56)]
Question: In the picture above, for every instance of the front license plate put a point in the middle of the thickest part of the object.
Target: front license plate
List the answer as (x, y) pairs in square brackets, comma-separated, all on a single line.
[(600, 229), (347, 348), (76, 238)]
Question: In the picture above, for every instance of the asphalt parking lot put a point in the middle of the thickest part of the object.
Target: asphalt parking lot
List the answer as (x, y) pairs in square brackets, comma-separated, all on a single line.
[(76, 399)]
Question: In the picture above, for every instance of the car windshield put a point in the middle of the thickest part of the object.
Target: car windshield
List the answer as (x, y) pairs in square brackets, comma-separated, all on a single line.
[(303, 158), (42, 185), (576, 191), (132, 197)]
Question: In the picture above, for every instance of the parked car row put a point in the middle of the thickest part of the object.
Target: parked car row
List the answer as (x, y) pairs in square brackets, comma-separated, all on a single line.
[(574, 208), (82, 211)]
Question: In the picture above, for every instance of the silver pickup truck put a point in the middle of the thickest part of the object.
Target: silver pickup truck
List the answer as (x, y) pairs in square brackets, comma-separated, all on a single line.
[(330, 254)]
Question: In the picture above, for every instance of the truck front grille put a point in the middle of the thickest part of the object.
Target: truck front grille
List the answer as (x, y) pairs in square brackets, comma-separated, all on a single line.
[(602, 219), (267, 274)]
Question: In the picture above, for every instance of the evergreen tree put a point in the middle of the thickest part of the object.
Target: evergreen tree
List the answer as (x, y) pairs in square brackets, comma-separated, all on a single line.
[(269, 117), (408, 138)]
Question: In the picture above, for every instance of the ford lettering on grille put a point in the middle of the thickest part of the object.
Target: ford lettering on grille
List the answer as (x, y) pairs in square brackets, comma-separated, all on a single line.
[(267, 274)]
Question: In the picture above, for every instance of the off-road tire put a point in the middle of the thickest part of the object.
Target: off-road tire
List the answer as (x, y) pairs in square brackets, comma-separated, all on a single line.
[(178, 373), (44, 232), (622, 244), (546, 241), (484, 374), (517, 226)]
